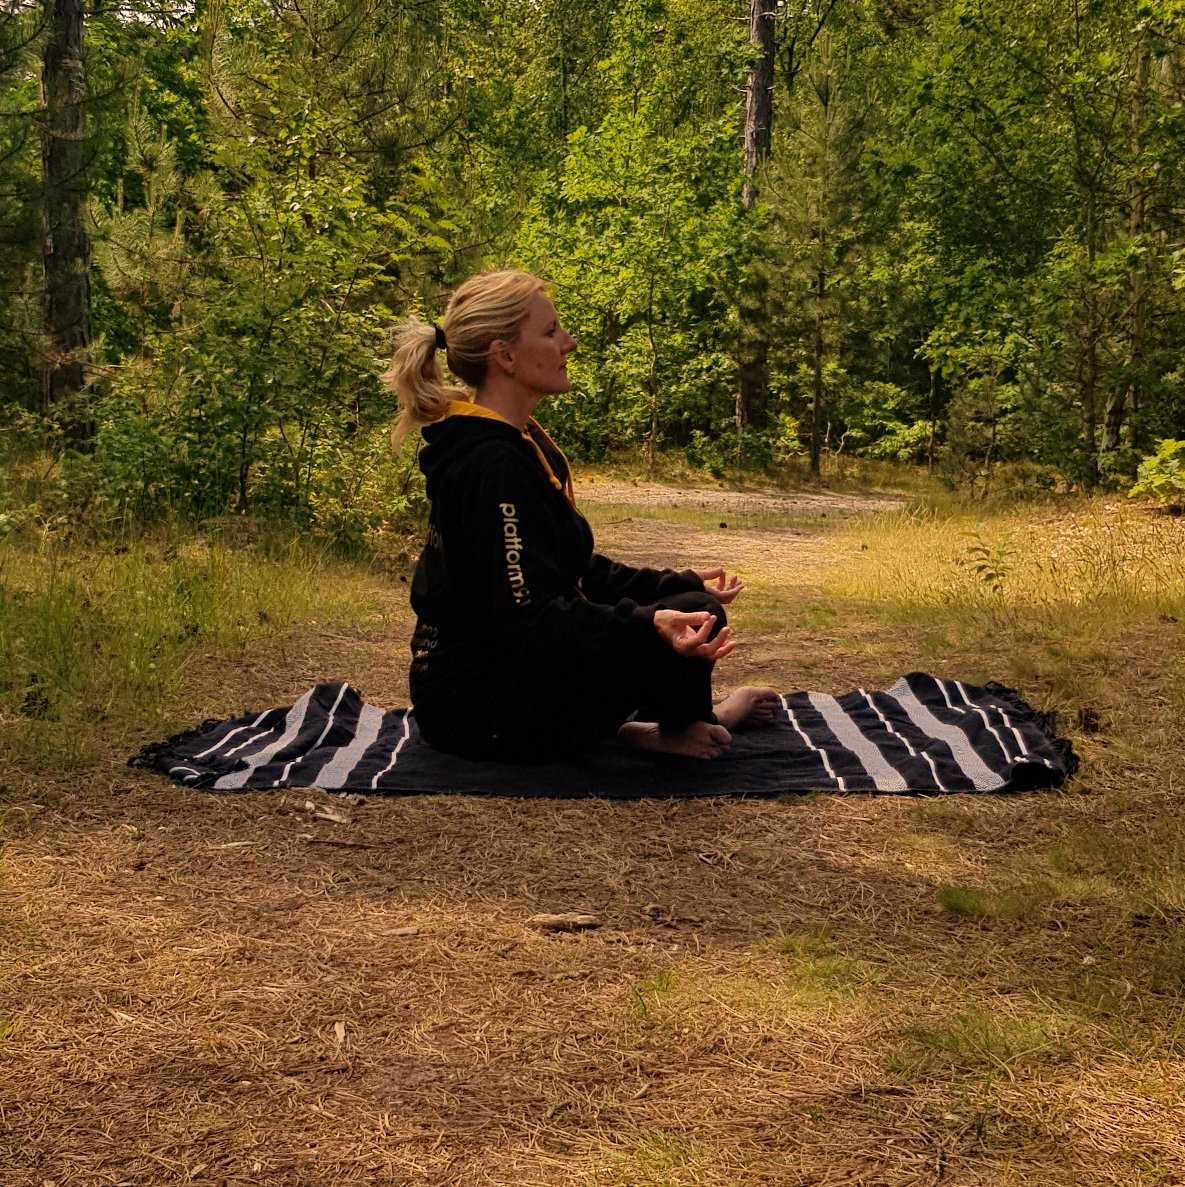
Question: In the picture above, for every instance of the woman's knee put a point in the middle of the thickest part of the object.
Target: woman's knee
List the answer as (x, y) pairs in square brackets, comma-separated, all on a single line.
[(697, 602)]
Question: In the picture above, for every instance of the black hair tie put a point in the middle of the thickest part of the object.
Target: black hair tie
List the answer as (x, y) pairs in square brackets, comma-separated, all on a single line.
[(441, 341)]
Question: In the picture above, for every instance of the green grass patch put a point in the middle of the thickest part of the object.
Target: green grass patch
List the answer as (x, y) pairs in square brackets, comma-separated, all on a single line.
[(814, 964), (648, 996), (655, 1158), (820, 614), (977, 1040), (100, 638), (1093, 553), (807, 943), (1019, 903)]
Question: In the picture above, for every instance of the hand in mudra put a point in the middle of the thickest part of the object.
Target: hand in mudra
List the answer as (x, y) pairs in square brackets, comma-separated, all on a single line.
[(687, 634), (725, 588)]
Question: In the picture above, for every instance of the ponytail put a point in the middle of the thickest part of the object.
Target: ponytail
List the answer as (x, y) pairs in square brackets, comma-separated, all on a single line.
[(417, 380)]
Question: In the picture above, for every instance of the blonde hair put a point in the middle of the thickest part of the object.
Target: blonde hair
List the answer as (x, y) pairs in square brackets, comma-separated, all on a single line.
[(484, 308)]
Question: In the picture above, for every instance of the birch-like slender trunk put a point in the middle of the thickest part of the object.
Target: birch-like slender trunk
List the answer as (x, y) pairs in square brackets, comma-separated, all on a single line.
[(1126, 399), (753, 352), (65, 158)]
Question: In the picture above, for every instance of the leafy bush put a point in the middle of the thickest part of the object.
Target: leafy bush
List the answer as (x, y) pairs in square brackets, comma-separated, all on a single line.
[(1163, 474), (882, 420)]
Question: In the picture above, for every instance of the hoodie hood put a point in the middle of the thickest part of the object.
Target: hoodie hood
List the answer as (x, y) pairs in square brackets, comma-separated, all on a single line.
[(451, 441)]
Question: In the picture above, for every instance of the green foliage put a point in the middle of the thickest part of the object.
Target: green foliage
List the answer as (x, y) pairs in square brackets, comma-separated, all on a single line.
[(728, 451), (882, 420), (989, 562), (644, 237), (1163, 474), (248, 297), (1037, 130), (968, 227)]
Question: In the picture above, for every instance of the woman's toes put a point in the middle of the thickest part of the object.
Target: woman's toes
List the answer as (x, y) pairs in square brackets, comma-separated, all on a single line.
[(748, 706)]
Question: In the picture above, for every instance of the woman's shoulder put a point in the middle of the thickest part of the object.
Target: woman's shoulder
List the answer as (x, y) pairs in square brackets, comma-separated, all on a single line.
[(465, 460), (500, 454)]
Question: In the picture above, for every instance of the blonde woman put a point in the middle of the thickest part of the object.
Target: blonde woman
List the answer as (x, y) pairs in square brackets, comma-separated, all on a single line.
[(529, 645)]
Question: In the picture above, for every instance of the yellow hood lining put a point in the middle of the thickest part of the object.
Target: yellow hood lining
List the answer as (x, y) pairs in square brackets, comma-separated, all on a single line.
[(469, 408)]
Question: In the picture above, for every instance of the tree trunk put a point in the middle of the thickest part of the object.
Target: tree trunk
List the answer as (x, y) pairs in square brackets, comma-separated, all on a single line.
[(1127, 399), (933, 421), (65, 157), (610, 335), (1088, 358), (825, 93), (242, 506), (993, 381), (753, 372), (652, 382), (1088, 377), (817, 354), (753, 378), (759, 94)]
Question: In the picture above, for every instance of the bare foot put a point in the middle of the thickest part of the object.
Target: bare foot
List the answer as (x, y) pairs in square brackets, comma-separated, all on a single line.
[(748, 706), (700, 739)]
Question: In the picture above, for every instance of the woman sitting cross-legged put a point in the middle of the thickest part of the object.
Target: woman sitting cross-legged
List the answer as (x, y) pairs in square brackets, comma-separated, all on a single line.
[(529, 645)]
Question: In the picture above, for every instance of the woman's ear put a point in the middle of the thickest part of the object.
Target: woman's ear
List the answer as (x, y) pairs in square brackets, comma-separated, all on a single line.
[(501, 356)]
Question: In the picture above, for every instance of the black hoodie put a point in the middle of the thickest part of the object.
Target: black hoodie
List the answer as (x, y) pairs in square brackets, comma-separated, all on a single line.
[(508, 579)]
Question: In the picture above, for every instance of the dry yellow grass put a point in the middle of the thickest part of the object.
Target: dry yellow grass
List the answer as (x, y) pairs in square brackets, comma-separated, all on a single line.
[(197, 989), (1095, 552)]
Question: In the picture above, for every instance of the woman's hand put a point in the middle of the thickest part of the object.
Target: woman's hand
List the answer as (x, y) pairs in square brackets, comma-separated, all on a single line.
[(687, 634), (726, 588)]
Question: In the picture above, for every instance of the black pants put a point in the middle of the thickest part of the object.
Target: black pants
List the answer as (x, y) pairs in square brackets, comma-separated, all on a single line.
[(559, 705)]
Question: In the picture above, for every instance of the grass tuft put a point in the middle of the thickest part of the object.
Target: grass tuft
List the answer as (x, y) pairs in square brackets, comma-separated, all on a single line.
[(972, 903), (976, 1040), (649, 994)]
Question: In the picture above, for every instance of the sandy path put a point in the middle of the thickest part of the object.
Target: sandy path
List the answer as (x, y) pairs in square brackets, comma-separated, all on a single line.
[(630, 527), (592, 490)]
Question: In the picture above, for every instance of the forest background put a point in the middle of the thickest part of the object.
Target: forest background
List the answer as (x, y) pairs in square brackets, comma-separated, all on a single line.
[(945, 232)]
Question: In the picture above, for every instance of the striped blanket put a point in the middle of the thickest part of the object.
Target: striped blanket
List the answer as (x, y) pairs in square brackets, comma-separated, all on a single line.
[(922, 736)]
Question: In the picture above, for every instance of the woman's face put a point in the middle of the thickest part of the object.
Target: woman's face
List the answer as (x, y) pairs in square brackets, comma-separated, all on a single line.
[(539, 355)]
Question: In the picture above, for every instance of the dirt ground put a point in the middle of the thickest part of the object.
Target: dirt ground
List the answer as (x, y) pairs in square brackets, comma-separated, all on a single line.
[(769, 537), (230, 990), (596, 490)]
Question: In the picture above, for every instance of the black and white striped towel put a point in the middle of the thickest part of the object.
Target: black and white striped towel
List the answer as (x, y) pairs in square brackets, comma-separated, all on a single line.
[(922, 736)]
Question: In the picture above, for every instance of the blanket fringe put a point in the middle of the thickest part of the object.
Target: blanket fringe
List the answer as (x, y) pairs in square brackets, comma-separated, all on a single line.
[(1045, 721), (148, 755)]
